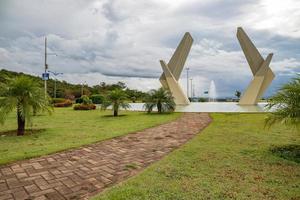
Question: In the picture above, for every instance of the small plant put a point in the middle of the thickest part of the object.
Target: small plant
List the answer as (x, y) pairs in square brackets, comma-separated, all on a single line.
[(161, 99), (26, 97), (86, 104), (116, 99)]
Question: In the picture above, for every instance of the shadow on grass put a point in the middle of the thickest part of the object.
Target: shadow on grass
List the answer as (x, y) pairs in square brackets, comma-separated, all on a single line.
[(144, 113), (27, 132), (123, 115), (289, 152), (156, 113)]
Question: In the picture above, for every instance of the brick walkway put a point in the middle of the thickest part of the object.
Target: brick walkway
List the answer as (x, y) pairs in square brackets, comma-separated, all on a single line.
[(84, 172)]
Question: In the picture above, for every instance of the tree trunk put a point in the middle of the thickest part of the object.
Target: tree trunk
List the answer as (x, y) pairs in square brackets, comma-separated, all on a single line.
[(159, 107), (115, 112), (21, 125)]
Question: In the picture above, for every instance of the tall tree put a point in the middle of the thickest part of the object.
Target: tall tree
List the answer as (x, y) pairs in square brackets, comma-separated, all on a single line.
[(286, 105), (161, 99), (24, 95)]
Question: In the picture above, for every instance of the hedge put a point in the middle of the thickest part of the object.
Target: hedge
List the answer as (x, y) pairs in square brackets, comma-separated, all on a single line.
[(66, 103), (57, 100), (78, 100), (97, 99), (84, 107)]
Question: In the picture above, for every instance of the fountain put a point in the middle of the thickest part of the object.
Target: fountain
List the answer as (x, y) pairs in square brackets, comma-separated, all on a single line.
[(212, 93)]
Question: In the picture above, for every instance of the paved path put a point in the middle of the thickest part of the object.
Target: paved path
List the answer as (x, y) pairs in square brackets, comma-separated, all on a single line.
[(84, 172)]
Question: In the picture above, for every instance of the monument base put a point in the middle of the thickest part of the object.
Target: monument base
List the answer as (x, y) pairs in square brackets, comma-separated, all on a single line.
[(210, 107)]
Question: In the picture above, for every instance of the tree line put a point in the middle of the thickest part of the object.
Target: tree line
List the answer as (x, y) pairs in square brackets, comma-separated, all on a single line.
[(74, 91)]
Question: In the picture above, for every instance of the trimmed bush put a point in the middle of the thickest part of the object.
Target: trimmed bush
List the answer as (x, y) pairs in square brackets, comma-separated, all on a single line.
[(57, 100), (97, 99), (66, 103), (84, 107)]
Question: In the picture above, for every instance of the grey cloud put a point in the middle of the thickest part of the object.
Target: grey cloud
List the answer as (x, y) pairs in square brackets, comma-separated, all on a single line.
[(217, 9), (130, 75), (122, 39)]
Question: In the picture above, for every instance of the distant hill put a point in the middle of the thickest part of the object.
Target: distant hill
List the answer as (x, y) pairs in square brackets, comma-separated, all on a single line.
[(68, 90), (62, 87)]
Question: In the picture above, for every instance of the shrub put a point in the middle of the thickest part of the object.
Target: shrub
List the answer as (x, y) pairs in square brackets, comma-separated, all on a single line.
[(97, 99), (162, 99), (289, 152), (84, 107), (57, 100), (86, 100), (83, 99), (66, 103), (78, 100), (202, 99)]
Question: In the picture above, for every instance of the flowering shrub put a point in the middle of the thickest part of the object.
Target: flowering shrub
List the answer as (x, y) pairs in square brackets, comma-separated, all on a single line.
[(57, 100), (66, 103), (84, 107)]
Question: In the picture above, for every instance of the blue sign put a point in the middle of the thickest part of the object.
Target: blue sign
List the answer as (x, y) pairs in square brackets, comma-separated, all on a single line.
[(45, 76)]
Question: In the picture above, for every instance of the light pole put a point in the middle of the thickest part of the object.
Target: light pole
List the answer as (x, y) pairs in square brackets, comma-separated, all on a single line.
[(82, 84), (191, 87), (46, 66), (55, 74), (187, 81), (46, 76), (193, 90)]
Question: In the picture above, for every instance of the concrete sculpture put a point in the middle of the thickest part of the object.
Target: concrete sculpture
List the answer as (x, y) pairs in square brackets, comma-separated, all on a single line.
[(172, 70), (262, 74)]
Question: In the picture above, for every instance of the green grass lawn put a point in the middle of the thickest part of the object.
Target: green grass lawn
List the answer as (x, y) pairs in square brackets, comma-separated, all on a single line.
[(67, 128), (230, 159)]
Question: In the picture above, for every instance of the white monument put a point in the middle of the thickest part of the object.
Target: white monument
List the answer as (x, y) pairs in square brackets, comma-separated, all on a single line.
[(262, 74), (172, 70)]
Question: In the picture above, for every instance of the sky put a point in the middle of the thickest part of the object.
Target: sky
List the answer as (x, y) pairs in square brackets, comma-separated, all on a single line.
[(123, 40)]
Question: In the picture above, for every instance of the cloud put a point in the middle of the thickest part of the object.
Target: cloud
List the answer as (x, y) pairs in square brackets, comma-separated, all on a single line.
[(112, 40)]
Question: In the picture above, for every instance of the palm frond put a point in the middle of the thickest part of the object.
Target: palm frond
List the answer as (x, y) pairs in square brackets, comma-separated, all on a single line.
[(286, 103), (160, 98), (24, 94)]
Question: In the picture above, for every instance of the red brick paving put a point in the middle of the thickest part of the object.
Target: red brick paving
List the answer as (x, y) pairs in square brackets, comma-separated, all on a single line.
[(84, 172)]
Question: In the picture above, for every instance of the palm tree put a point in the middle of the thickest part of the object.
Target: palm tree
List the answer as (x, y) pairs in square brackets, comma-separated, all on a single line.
[(286, 104), (26, 96), (161, 99), (116, 98), (238, 94)]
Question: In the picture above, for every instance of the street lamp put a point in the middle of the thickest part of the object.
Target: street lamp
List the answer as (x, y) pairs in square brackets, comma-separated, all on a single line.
[(191, 87), (55, 74), (193, 90), (82, 84), (45, 74), (187, 81)]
